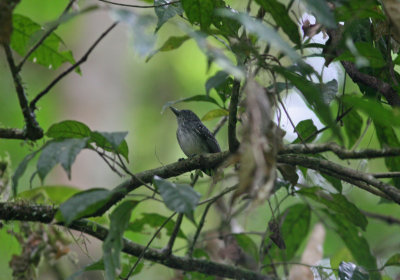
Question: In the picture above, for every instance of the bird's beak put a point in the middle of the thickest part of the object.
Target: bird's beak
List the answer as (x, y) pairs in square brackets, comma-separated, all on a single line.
[(176, 111)]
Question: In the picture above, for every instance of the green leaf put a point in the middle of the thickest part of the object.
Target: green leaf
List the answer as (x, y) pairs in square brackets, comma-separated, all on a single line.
[(83, 204), (350, 271), (180, 198), (199, 12), (113, 244), (216, 113), (293, 230), (263, 32), (99, 265), (47, 54), (364, 50), (306, 128), (111, 141), (140, 26), (59, 151), (282, 19), (295, 227), (393, 260), (20, 171), (356, 243), (165, 12), (353, 123), (387, 138), (228, 27), (218, 79), (335, 182), (68, 129), (339, 204), (322, 12), (375, 110), (153, 220), (53, 194), (172, 43), (195, 98), (247, 244)]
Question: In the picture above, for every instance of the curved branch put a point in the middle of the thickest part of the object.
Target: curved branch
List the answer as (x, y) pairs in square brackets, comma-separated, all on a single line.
[(341, 152), (343, 173), (44, 214), (232, 119)]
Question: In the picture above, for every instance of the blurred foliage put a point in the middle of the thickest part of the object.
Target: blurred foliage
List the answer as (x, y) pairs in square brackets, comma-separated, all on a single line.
[(201, 55)]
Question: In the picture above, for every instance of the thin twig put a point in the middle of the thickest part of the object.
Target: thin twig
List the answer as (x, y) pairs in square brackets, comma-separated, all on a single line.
[(33, 130), (148, 245), (385, 218), (12, 133), (203, 218), (139, 6), (32, 105), (387, 175)]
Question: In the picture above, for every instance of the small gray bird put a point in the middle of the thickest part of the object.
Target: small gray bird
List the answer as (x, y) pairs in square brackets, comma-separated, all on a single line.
[(193, 137)]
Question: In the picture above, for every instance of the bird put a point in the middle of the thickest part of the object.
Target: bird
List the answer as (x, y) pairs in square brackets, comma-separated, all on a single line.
[(193, 136)]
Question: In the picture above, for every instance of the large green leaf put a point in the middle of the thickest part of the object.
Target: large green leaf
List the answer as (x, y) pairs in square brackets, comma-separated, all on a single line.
[(180, 198), (83, 204), (68, 129), (393, 260), (113, 244), (339, 204), (306, 129), (47, 54), (282, 19), (293, 230), (356, 243), (165, 12), (20, 171), (63, 151), (216, 113), (363, 50), (172, 43), (375, 110), (247, 244), (199, 11), (153, 220), (353, 123), (111, 141), (263, 32)]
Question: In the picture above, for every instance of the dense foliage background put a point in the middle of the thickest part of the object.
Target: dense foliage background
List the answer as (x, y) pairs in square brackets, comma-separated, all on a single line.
[(303, 97)]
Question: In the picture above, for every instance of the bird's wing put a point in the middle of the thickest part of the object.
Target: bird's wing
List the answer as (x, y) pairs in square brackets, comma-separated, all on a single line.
[(209, 138)]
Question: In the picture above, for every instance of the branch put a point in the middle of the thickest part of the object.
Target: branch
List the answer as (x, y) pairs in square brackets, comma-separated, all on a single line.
[(388, 219), (341, 152), (233, 142), (171, 170), (12, 133), (343, 173), (139, 6), (44, 214), (32, 105), (33, 130), (384, 88)]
